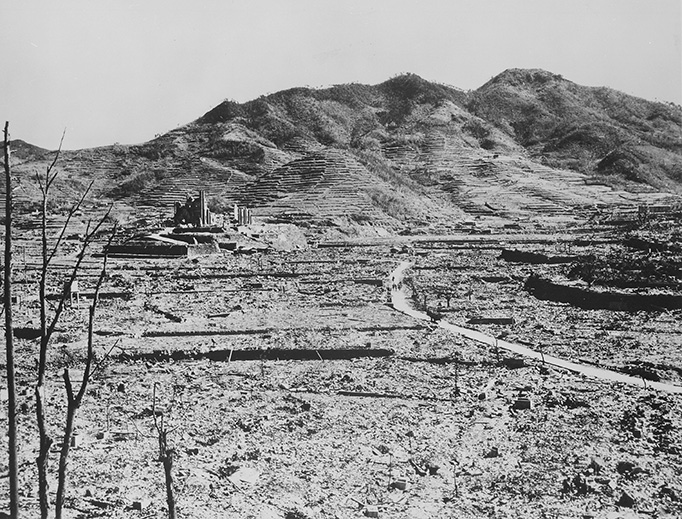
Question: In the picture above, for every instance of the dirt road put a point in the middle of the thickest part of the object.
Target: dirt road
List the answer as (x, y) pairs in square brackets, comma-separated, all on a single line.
[(400, 303)]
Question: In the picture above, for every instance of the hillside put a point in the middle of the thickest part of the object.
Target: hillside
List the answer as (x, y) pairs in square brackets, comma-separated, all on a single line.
[(592, 130), (406, 153)]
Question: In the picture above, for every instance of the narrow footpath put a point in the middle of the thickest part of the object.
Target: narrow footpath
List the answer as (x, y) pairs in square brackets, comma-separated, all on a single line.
[(400, 303)]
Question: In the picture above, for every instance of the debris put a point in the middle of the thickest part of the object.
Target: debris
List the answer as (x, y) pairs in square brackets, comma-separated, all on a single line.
[(418, 469), (595, 466), (667, 491), (168, 315), (495, 279), (593, 300), (642, 370), (400, 484), (294, 514), (148, 246), (522, 403), (432, 467), (491, 320), (580, 484), (492, 453), (626, 500), (141, 504), (101, 503), (513, 362), (649, 246), (258, 353), (26, 333), (434, 315), (516, 256), (387, 396), (245, 475), (628, 469), (123, 435)]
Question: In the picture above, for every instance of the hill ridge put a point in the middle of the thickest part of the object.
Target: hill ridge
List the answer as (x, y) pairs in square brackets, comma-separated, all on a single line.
[(411, 152)]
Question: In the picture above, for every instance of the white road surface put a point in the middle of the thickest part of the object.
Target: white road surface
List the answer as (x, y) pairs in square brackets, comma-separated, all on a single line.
[(400, 303)]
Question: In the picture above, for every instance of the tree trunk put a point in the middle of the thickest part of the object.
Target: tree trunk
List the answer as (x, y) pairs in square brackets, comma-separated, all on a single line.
[(45, 442), (63, 458), (43, 451), (168, 470), (9, 341)]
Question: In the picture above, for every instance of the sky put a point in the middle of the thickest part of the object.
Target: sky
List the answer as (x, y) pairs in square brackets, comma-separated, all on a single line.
[(124, 71)]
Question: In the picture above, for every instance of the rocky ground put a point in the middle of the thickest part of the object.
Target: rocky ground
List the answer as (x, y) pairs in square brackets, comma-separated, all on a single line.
[(292, 389)]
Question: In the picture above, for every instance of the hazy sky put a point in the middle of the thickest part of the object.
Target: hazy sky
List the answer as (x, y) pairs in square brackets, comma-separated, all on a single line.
[(123, 71)]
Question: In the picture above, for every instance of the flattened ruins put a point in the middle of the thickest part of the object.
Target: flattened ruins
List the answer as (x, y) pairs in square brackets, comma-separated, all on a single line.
[(420, 327)]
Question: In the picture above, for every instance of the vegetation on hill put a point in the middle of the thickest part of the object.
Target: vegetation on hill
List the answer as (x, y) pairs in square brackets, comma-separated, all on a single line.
[(597, 131), (592, 130), (410, 135), (24, 151)]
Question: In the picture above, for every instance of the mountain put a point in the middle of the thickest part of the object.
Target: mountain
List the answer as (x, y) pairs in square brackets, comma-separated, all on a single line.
[(591, 130), (24, 151), (406, 153)]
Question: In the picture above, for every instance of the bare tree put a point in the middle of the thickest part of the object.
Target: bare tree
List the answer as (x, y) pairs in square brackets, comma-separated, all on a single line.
[(74, 400), (165, 455), (45, 441), (9, 340), (48, 325)]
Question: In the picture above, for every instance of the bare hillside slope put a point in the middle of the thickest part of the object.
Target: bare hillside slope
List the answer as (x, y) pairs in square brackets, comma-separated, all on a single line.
[(404, 153)]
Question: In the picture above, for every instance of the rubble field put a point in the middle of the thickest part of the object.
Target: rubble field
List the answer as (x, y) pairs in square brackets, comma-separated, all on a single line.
[(293, 389)]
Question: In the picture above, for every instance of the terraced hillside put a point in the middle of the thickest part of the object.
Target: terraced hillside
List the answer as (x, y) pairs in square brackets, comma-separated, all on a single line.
[(404, 154)]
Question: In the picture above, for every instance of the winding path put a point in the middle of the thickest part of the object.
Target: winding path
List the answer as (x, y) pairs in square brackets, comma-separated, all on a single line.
[(399, 301)]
